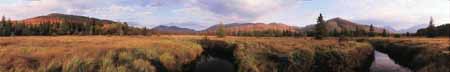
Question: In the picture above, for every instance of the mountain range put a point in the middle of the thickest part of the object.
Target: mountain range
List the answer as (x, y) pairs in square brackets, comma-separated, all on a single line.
[(163, 29), (340, 24), (60, 18), (337, 24), (246, 27)]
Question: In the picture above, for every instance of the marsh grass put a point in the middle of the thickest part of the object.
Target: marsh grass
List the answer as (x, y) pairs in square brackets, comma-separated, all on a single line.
[(419, 54), (94, 53), (304, 54), (170, 53)]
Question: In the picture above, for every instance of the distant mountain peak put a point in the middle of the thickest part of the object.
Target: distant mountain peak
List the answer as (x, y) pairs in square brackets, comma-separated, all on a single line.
[(59, 18), (164, 29), (244, 27), (341, 24)]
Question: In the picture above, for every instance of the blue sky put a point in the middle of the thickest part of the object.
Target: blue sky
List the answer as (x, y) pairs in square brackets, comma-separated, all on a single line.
[(199, 14)]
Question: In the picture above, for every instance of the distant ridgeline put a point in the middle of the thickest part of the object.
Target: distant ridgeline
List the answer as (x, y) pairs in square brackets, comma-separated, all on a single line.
[(61, 24)]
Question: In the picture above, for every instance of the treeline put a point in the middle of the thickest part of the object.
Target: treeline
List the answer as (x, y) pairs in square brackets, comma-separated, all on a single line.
[(349, 33), (221, 32), (269, 33), (15, 28), (433, 31)]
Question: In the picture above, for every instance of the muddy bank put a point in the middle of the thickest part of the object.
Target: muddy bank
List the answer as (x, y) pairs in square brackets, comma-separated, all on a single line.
[(421, 57)]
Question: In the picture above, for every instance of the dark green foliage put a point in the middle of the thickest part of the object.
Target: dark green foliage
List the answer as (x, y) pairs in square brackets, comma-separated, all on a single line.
[(408, 34), (385, 34), (371, 31), (320, 28), (431, 31), (335, 33), (221, 31), (10, 28)]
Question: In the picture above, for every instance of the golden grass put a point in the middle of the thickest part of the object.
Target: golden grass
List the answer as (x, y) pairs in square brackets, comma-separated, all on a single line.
[(135, 53), (35, 52), (254, 53)]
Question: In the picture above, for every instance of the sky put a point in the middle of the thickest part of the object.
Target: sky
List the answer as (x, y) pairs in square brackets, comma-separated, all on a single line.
[(200, 14)]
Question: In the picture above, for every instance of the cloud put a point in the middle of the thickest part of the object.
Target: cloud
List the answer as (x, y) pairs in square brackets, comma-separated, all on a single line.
[(244, 9), (399, 14), (396, 13)]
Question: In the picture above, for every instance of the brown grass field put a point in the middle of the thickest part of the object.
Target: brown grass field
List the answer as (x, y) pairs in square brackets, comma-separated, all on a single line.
[(107, 53), (173, 53)]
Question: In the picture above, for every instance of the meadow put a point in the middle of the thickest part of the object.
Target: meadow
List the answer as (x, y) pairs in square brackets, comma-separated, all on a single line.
[(179, 53), (95, 53)]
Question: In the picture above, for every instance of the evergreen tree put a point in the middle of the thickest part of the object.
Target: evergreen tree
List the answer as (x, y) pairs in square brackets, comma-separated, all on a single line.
[(8, 28), (125, 28), (335, 33), (385, 34), (2, 27), (431, 29), (221, 31), (320, 28), (371, 31), (408, 34)]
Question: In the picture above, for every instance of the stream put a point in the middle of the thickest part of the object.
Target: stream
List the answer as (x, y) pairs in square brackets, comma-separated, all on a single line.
[(383, 63)]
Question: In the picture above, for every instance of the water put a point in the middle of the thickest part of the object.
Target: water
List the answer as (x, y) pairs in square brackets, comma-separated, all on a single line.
[(383, 63)]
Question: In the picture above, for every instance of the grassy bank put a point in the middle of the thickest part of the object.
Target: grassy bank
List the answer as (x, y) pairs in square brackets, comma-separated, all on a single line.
[(268, 54), (419, 54), (171, 53)]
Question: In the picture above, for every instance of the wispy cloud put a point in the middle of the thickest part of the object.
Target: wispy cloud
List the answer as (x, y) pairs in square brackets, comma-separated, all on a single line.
[(395, 13)]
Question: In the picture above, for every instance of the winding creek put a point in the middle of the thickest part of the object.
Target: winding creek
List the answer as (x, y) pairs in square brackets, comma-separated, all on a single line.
[(218, 56), (383, 63)]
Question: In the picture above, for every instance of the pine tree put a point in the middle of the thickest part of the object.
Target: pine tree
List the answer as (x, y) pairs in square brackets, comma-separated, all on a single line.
[(385, 34), (320, 28), (2, 27), (371, 31), (8, 28), (93, 27), (408, 34), (221, 31), (335, 33), (125, 28), (431, 29)]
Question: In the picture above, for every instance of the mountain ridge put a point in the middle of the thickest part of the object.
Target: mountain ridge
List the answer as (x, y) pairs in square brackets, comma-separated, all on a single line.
[(246, 27), (65, 18), (340, 24)]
